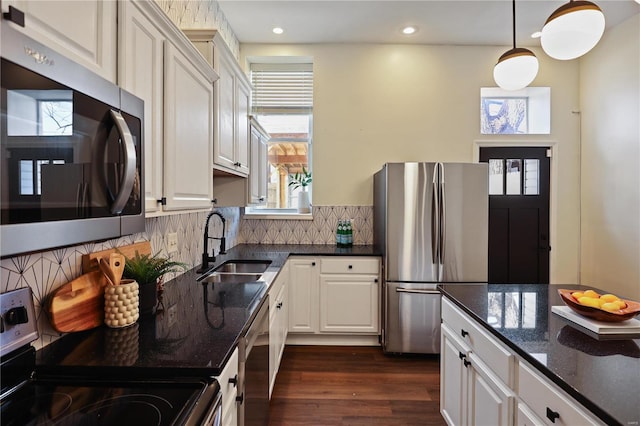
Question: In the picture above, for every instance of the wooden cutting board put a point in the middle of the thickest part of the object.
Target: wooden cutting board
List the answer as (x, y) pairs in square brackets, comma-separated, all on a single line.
[(90, 261), (79, 304)]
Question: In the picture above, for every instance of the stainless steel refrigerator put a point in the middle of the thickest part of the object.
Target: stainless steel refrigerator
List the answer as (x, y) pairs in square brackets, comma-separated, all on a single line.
[(431, 222)]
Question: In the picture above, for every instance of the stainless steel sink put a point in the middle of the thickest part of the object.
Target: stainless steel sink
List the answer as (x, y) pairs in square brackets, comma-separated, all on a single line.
[(230, 278), (244, 266)]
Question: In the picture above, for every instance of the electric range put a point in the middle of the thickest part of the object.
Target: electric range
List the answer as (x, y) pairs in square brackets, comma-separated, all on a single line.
[(31, 397)]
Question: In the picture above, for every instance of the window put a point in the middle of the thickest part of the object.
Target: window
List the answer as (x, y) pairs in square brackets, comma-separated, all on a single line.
[(283, 105), (39, 112), (526, 111)]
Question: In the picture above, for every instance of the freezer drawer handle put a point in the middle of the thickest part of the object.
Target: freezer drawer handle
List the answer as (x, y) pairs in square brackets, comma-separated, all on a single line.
[(409, 290)]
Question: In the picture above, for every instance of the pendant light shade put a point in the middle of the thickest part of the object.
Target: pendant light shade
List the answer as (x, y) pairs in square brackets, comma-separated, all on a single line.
[(572, 30), (517, 67)]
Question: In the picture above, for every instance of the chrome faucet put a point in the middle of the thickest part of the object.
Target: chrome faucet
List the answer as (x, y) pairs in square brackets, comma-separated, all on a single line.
[(205, 254)]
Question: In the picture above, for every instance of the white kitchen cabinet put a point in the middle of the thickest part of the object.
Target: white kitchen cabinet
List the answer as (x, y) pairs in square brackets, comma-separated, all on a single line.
[(228, 380), (278, 323), (159, 64), (188, 117), (349, 295), (258, 169), (476, 373), (238, 191), (484, 383), (83, 31), (141, 72), (304, 277), (335, 295), (470, 392), (232, 95)]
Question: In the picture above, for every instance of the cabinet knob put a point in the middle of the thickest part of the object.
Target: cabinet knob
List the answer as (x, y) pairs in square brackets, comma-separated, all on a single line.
[(240, 398), (552, 415), (375, 280), (279, 305), (313, 263), (461, 355), (464, 332), (466, 363), (350, 266), (234, 380)]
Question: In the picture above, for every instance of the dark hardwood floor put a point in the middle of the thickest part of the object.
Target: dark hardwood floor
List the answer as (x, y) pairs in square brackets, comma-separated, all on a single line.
[(340, 385)]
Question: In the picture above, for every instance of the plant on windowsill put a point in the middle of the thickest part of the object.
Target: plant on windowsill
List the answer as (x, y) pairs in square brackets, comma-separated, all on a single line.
[(302, 180), (149, 272)]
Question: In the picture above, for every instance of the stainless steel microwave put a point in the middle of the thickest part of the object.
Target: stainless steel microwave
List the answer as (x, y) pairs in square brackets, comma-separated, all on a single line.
[(71, 151)]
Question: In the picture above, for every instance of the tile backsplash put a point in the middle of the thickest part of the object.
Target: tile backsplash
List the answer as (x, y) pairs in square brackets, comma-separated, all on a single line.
[(320, 230), (48, 270)]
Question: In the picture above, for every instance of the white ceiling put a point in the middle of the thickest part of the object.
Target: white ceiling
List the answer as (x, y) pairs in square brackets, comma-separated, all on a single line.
[(451, 22)]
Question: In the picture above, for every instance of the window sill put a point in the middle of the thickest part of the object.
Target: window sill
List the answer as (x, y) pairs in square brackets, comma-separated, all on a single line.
[(276, 215)]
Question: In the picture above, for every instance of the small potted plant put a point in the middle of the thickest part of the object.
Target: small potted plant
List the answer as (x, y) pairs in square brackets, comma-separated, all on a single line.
[(302, 180), (149, 272)]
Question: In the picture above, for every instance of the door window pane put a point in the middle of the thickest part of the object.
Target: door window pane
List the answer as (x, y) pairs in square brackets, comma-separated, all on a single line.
[(496, 177), (513, 176), (531, 177)]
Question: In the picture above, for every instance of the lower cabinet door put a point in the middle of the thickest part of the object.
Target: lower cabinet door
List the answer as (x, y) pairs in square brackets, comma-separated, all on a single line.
[(490, 402), (453, 377), (526, 417), (349, 303)]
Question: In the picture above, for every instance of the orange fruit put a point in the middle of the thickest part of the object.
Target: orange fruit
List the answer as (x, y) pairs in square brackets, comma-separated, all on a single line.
[(591, 293), (577, 294), (610, 307), (589, 301), (609, 297)]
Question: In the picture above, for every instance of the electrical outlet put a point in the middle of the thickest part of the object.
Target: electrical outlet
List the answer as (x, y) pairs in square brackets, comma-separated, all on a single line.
[(172, 314), (172, 242)]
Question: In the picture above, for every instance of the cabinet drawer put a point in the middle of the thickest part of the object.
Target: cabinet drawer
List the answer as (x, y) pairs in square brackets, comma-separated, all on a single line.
[(349, 265), (492, 352), (547, 401)]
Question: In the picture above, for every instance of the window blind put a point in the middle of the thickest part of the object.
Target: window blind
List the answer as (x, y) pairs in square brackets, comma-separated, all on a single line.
[(282, 88)]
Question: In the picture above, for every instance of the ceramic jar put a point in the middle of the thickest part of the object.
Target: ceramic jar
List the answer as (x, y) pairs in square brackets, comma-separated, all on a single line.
[(121, 304)]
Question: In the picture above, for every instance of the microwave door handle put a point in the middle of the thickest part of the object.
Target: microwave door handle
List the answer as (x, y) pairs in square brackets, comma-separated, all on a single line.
[(129, 163)]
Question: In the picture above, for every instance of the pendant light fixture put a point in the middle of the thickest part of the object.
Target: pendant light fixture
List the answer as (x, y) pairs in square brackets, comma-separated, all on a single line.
[(572, 30), (517, 67)]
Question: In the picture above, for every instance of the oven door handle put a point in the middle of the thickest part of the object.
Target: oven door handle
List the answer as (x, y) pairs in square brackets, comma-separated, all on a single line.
[(129, 175), (408, 290)]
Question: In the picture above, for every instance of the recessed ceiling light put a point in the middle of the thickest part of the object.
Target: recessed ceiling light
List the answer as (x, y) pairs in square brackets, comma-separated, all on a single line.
[(277, 30), (537, 34), (409, 30)]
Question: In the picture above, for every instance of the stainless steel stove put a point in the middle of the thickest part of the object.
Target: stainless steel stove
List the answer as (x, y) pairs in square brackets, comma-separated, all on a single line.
[(28, 397)]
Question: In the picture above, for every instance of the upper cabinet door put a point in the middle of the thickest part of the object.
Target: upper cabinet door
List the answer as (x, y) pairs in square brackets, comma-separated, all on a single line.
[(188, 118), (224, 150), (140, 71), (243, 104), (84, 31)]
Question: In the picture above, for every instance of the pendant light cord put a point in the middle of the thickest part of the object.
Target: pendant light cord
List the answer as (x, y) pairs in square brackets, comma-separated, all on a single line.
[(514, 23)]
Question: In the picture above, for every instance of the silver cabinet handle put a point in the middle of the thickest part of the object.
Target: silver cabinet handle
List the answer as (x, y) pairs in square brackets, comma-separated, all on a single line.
[(409, 290), (129, 163)]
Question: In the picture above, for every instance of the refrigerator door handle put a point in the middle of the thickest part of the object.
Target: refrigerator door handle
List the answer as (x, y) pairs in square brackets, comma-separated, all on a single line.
[(410, 290), (443, 222), (435, 223)]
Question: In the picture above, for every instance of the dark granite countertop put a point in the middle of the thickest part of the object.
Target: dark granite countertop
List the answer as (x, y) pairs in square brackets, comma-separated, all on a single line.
[(187, 336), (602, 374)]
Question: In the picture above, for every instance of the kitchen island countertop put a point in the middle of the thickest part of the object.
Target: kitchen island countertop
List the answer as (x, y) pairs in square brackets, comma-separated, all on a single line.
[(195, 329), (602, 374)]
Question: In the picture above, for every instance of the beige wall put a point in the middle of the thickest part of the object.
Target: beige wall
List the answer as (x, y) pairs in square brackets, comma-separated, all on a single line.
[(610, 104), (375, 103)]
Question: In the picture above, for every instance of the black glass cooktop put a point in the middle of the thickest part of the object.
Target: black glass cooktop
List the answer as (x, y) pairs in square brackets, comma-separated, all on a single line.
[(99, 403)]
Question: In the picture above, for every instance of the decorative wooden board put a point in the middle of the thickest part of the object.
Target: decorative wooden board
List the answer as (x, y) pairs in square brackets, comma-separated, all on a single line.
[(79, 304), (90, 261)]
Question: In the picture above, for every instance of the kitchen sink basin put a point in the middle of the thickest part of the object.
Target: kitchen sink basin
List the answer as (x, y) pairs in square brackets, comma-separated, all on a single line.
[(230, 278), (244, 266)]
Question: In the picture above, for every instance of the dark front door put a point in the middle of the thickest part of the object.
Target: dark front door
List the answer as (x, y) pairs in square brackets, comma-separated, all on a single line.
[(518, 214)]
